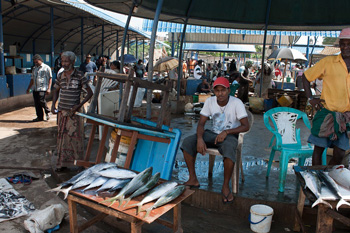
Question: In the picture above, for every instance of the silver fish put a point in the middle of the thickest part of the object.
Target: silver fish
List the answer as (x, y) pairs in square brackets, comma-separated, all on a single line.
[(333, 187), (314, 184), (119, 183), (82, 175), (341, 175), (96, 183), (86, 181), (155, 194), (117, 173), (166, 198), (150, 184), (138, 181)]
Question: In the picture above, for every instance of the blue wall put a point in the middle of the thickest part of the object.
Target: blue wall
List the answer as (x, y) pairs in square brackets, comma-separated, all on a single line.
[(4, 90), (18, 83)]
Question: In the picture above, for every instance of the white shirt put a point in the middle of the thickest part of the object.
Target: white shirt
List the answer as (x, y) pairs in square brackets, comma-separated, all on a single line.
[(226, 117), (41, 76), (197, 73)]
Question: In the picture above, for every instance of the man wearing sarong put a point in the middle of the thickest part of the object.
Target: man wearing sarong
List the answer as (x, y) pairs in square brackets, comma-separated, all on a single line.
[(68, 87), (330, 125)]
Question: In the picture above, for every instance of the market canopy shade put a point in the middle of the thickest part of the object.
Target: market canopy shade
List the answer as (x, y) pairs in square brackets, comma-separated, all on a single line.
[(287, 54), (166, 64), (297, 15), (128, 58)]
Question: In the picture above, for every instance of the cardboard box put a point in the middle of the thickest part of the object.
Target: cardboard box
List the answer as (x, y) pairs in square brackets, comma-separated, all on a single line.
[(13, 50), (203, 98)]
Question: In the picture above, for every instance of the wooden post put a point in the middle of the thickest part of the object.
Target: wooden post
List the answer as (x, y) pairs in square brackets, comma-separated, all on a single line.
[(177, 219), (136, 227), (132, 102), (164, 105), (324, 221), (131, 149), (299, 215), (91, 141), (93, 104), (102, 144), (72, 216)]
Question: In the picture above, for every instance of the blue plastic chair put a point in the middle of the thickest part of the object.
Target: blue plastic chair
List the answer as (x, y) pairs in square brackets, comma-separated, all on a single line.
[(287, 138)]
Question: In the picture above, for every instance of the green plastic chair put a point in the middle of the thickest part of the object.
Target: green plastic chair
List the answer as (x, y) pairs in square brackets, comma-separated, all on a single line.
[(287, 138)]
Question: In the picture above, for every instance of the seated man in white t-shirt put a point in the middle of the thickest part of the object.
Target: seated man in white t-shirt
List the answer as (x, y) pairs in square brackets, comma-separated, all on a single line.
[(229, 119), (197, 73)]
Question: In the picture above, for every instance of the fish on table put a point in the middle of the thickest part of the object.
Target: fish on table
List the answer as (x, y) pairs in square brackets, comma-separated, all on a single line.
[(117, 173), (166, 198), (333, 187), (155, 193), (96, 183), (341, 176), (138, 181), (113, 184), (314, 184)]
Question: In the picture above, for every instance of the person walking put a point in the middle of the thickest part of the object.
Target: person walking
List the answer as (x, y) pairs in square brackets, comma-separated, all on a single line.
[(41, 79), (88, 66)]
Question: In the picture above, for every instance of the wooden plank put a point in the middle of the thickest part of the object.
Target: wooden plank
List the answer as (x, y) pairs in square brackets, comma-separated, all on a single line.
[(91, 141), (83, 163), (93, 104), (145, 137), (335, 215), (163, 108), (151, 86), (92, 221), (132, 102), (101, 147), (123, 106), (115, 77), (300, 207), (131, 149), (115, 148), (177, 218), (165, 223), (324, 222), (72, 215)]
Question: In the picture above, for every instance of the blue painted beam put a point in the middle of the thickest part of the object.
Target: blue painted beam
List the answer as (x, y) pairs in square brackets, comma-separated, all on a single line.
[(2, 59), (82, 39), (52, 38)]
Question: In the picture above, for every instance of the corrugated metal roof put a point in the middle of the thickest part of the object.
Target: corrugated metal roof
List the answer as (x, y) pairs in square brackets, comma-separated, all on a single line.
[(232, 48), (176, 27), (228, 38)]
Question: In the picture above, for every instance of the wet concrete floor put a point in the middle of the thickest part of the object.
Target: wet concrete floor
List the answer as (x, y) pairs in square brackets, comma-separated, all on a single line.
[(27, 144)]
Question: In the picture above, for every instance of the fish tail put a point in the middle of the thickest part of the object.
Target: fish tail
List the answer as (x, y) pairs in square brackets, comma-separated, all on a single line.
[(148, 211), (121, 200), (319, 201), (342, 202), (112, 199), (139, 206), (127, 200), (57, 189), (65, 192)]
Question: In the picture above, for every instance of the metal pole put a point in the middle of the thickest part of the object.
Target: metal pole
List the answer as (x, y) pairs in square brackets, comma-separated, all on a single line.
[(181, 47), (117, 46), (172, 44), (82, 39), (103, 39), (279, 46), (265, 35), (143, 50), (33, 47), (128, 48), (151, 55), (137, 55), (2, 59), (52, 38), (307, 51)]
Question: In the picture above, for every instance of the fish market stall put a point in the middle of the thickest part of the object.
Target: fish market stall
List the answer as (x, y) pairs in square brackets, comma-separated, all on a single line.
[(328, 188), (148, 197)]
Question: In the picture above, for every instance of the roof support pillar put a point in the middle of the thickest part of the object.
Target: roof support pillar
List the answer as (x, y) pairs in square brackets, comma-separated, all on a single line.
[(82, 39), (33, 46), (2, 59), (137, 50), (312, 50), (279, 45), (128, 48), (103, 39), (307, 51), (264, 45), (143, 50), (172, 44), (151, 55), (52, 38), (117, 46)]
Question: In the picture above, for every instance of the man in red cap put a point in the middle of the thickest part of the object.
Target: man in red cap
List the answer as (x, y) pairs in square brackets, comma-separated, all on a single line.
[(331, 124), (229, 119)]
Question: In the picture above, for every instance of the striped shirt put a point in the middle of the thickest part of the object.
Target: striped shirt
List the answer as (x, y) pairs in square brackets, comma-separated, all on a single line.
[(70, 92), (41, 76)]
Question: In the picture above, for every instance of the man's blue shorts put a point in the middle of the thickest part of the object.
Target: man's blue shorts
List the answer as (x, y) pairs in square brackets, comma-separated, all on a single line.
[(227, 148), (342, 142)]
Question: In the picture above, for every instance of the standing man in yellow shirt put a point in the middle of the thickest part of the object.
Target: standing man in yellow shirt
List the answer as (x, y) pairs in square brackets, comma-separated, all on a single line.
[(334, 105)]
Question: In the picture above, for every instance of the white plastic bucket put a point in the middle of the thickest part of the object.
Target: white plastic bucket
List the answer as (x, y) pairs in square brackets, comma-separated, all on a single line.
[(260, 218)]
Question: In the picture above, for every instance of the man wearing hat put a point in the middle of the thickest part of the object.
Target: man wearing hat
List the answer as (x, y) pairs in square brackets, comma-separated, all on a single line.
[(229, 119), (41, 79), (330, 125), (88, 66)]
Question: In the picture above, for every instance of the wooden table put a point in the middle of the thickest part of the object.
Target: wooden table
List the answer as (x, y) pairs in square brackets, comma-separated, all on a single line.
[(127, 214), (325, 215)]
